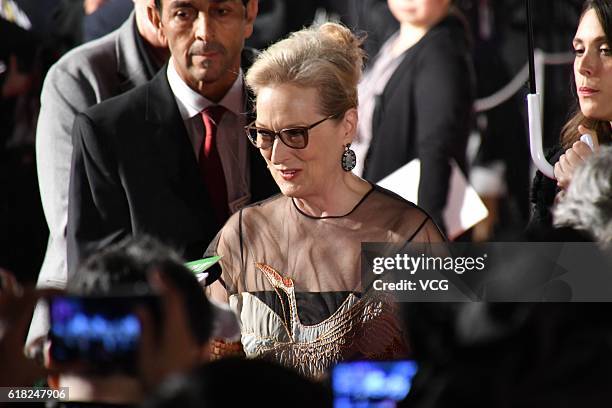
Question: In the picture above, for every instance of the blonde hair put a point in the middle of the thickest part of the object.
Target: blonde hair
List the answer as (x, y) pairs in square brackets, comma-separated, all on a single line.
[(328, 58)]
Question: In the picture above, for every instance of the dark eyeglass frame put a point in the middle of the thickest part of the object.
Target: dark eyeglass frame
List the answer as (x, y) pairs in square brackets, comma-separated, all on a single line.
[(279, 134)]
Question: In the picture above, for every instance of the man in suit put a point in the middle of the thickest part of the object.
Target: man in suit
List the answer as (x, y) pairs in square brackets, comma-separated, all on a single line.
[(170, 158), (87, 75)]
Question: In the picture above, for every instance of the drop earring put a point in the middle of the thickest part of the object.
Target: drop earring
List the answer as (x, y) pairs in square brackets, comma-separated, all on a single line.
[(349, 159)]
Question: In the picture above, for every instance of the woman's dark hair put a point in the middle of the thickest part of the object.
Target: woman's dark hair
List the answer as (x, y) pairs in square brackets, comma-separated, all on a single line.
[(569, 133)]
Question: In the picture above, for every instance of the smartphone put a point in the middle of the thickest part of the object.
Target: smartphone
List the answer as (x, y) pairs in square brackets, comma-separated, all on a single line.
[(365, 384), (101, 331)]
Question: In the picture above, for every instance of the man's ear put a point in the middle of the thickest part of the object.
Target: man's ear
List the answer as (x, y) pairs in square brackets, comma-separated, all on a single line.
[(252, 9), (154, 16), (349, 122)]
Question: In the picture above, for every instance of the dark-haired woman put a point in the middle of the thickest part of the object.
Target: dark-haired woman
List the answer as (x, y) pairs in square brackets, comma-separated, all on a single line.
[(593, 85)]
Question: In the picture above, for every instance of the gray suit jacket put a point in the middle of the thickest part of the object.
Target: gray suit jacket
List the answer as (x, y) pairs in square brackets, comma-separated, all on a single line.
[(85, 76)]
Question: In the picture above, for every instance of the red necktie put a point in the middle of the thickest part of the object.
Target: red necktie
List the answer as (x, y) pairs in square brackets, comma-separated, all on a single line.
[(210, 163)]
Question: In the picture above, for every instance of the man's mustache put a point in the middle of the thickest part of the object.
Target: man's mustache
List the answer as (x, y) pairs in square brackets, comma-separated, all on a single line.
[(199, 48)]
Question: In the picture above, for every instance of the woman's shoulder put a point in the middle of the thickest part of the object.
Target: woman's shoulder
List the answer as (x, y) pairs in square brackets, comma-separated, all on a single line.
[(253, 217), (449, 37), (267, 202), (261, 210), (398, 213), (267, 205), (387, 200)]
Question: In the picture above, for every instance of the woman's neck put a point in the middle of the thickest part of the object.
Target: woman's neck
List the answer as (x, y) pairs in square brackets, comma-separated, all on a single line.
[(338, 199), (408, 36)]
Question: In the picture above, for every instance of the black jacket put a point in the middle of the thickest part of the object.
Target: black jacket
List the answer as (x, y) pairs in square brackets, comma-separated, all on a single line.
[(425, 112), (134, 172)]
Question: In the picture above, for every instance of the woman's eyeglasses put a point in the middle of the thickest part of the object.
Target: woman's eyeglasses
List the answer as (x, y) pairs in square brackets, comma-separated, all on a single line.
[(295, 137)]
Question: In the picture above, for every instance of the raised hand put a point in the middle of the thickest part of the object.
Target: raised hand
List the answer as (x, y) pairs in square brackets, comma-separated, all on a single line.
[(573, 158)]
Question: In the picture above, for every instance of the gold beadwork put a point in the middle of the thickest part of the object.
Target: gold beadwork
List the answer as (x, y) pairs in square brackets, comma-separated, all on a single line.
[(367, 328)]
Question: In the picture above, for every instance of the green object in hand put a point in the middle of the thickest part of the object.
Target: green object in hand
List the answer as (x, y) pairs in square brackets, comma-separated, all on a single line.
[(201, 265)]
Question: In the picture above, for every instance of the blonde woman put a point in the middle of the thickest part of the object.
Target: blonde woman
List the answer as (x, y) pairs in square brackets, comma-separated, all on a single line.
[(291, 264)]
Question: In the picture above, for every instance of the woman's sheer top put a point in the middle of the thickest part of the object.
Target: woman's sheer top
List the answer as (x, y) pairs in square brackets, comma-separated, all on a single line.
[(295, 280)]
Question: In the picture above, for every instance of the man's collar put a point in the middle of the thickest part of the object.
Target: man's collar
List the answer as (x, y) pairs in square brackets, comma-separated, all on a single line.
[(192, 103)]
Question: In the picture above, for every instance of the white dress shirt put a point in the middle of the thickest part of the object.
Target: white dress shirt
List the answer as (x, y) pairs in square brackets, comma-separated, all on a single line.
[(231, 140)]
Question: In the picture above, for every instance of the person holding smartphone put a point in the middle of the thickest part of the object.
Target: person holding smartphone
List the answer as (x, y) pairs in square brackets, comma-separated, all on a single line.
[(109, 343)]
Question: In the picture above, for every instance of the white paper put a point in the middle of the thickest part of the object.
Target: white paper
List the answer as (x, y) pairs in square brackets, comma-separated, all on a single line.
[(464, 208)]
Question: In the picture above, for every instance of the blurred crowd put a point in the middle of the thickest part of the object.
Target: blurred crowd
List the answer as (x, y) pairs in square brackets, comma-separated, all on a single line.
[(38, 33), (103, 104)]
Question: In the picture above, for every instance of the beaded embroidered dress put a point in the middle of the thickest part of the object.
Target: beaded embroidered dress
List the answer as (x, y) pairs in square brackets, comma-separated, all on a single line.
[(295, 281)]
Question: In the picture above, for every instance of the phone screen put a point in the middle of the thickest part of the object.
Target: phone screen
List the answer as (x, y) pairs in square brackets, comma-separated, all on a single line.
[(366, 384), (102, 331)]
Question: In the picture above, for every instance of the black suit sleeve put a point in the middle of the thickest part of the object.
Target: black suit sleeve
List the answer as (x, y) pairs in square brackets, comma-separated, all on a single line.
[(443, 106), (97, 209)]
